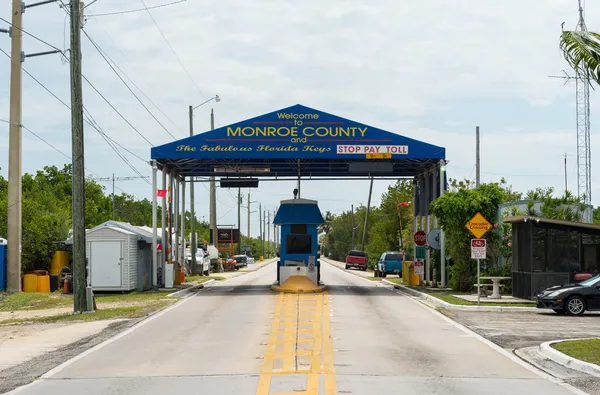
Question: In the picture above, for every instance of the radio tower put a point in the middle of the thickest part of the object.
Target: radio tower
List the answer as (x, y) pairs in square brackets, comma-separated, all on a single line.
[(584, 152)]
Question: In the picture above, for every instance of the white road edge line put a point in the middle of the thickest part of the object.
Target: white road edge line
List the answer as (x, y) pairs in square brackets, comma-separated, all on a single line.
[(97, 347), (482, 339)]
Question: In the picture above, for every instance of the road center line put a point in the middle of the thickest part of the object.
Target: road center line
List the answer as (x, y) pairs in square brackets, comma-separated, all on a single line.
[(300, 321)]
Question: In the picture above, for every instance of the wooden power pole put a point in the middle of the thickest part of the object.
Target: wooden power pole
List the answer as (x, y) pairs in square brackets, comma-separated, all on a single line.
[(79, 259)]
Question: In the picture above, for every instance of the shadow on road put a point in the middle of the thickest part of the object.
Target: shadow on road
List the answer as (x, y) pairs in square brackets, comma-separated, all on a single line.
[(266, 290)]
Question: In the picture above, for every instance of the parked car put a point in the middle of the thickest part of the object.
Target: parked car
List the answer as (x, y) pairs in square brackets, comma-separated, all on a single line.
[(241, 261), (357, 259), (389, 263), (202, 261), (572, 299)]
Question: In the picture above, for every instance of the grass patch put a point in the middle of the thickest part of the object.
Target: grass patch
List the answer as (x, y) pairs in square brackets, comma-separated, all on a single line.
[(131, 296), (35, 301), (448, 296), (585, 350), (126, 312)]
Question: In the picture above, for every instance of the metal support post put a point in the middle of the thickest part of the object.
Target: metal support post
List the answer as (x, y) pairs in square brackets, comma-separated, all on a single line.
[(154, 227)]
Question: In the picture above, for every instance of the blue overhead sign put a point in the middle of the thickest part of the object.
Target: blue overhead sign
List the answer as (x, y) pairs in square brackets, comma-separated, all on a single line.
[(298, 132)]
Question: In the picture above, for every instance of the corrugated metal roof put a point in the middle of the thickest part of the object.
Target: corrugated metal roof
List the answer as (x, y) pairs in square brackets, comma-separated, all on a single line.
[(141, 233)]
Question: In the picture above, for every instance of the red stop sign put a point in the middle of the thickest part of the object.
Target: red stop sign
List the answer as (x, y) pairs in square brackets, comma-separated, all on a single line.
[(420, 238)]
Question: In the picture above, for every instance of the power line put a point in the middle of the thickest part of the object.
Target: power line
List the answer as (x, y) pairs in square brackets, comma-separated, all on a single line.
[(117, 111), (130, 80), (32, 35), (101, 52), (172, 50), (69, 107), (138, 10)]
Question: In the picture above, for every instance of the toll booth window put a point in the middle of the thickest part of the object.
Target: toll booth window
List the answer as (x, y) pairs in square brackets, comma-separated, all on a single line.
[(298, 244), (299, 229)]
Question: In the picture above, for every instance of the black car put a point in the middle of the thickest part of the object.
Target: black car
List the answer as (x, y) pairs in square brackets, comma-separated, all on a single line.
[(572, 299)]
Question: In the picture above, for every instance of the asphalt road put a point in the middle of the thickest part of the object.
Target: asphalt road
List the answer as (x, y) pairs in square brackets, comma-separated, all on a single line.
[(241, 338)]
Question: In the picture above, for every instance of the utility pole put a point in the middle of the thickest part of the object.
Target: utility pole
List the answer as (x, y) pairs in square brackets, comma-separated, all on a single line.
[(79, 257), (477, 159), (268, 232), (249, 236), (239, 221), (213, 192), (566, 185), (264, 216), (113, 179), (367, 216), (15, 161), (353, 230), (260, 229), (193, 241)]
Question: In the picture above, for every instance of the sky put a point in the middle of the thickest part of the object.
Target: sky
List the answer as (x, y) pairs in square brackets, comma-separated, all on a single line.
[(431, 70)]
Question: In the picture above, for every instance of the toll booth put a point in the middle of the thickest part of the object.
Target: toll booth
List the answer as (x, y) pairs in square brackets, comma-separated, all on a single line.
[(298, 220)]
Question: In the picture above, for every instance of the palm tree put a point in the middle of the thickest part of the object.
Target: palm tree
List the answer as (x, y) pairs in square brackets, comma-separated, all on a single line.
[(581, 49)]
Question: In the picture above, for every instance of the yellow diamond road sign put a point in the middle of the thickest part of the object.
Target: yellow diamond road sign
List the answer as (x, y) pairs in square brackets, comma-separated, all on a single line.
[(478, 225)]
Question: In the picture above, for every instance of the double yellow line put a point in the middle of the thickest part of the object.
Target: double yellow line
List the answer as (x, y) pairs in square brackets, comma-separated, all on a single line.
[(300, 344)]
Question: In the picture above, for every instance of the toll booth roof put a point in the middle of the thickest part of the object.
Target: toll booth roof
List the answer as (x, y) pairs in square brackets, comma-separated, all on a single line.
[(298, 211)]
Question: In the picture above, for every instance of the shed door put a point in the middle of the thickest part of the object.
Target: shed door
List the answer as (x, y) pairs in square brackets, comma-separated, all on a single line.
[(106, 261)]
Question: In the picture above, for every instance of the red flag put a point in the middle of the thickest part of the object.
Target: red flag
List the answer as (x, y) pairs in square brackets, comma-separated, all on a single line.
[(404, 204), (161, 193)]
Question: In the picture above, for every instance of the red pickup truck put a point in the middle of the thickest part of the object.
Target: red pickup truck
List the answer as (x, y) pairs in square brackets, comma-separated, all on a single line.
[(357, 259)]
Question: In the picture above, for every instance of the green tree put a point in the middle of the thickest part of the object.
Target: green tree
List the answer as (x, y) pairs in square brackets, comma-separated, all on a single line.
[(453, 211)]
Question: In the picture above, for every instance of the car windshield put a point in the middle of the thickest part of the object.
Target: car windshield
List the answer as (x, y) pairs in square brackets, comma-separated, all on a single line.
[(591, 281), (393, 257)]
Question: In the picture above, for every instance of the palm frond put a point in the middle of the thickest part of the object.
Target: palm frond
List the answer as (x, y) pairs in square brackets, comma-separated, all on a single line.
[(582, 52)]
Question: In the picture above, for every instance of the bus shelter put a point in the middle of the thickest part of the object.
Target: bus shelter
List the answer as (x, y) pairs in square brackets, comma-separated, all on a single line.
[(294, 143)]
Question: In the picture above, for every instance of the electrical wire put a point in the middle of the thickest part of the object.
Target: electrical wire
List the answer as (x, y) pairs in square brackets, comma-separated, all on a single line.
[(32, 35), (101, 52), (172, 50), (138, 10), (95, 126), (130, 80)]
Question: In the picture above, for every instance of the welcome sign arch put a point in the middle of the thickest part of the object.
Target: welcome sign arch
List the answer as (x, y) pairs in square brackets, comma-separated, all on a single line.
[(302, 142)]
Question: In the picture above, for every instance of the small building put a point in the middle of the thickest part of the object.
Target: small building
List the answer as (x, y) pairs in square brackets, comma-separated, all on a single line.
[(548, 252), (119, 256)]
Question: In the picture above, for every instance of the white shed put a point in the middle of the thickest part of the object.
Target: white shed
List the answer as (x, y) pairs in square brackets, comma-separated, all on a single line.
[(119, 257), (113, 258)]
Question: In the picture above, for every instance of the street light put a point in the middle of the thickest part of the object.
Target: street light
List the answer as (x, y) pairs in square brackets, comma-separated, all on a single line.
[(215, 98), (194, 242)]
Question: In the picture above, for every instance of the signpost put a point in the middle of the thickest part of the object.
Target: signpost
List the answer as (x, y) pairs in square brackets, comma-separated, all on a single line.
[(419, 267), (420, 238), (478, 226)]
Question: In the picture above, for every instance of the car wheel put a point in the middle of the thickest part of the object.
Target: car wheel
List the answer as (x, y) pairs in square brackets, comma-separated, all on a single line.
[(575, 305), (383, 274), (559, 311)]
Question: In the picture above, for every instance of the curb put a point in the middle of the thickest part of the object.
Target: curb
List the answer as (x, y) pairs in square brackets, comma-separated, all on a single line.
[(554, 355), (192, 288), (440, 303)]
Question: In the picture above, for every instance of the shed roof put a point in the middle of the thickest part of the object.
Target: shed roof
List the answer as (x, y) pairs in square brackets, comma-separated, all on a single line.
[(122, 227), (525, 218)]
